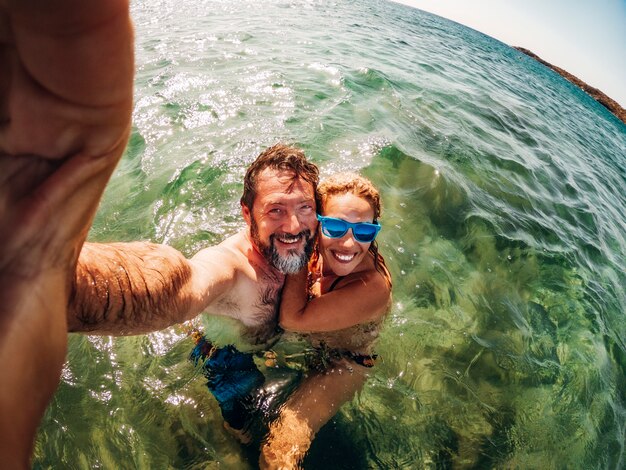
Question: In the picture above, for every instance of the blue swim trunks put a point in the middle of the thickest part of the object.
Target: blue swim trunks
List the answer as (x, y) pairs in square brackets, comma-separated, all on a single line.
[(232, 377), (249, 399)]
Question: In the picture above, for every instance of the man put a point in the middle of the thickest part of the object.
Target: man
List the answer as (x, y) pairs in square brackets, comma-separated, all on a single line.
[(64, 122), (133, 288)]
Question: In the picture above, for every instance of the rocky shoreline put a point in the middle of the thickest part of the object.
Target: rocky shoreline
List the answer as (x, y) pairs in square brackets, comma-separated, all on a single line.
[(609, 103)]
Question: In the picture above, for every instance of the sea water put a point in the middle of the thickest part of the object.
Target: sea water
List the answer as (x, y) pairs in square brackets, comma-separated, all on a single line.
[(504, 191)]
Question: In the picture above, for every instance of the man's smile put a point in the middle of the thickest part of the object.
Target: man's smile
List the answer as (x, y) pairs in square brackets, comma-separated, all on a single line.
[(289, 239)]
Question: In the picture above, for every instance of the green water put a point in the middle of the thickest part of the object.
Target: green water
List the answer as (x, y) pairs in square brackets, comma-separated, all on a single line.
[(504, 221)]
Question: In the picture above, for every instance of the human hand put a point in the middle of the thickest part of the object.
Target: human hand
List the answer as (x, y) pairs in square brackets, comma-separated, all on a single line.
[(66, 74)]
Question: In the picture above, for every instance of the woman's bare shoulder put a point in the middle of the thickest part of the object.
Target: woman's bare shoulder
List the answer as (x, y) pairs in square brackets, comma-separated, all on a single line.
[(370, 280)]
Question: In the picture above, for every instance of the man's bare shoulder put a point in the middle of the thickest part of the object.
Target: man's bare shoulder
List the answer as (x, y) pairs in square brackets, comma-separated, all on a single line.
[(231, 253)]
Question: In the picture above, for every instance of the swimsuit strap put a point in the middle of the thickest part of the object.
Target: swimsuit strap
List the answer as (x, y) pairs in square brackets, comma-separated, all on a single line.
[(335, 282), (363, 359)]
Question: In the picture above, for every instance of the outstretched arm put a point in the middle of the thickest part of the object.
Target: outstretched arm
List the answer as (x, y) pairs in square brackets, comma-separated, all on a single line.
[(66, 74), (135, 288), (129, 288)]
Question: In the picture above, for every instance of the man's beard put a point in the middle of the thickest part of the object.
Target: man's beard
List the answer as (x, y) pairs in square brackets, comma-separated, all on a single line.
[(293, 261)]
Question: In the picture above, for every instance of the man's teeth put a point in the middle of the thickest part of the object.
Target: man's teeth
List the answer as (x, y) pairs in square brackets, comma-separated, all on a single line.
[(289, 240), (341, 257)]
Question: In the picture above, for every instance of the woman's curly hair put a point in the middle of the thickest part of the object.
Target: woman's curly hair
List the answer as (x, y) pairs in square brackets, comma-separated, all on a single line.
[(342, 183)]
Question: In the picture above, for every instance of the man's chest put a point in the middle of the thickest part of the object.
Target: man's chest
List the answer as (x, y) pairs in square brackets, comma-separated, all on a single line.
[(255, 304)]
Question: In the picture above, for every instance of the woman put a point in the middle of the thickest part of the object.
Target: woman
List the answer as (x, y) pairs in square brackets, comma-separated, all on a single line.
[(340, 304)]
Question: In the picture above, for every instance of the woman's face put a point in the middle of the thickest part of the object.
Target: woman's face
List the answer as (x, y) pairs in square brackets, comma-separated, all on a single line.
[(343, 255)]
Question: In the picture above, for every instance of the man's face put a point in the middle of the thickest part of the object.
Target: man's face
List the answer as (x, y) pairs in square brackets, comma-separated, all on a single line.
[(282, 221)]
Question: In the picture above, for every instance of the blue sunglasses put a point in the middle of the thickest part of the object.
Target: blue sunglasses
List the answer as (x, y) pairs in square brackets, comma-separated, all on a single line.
[(364, 232)]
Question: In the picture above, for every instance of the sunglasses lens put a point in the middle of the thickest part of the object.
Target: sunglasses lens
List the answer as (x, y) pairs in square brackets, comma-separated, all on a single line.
[(334, 228), (364, 233)]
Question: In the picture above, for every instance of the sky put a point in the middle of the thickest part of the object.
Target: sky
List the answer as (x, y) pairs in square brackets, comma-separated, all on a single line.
[(585, 37)]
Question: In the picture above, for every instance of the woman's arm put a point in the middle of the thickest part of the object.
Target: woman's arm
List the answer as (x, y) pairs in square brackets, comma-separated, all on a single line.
[(293, 299), (360, 298)]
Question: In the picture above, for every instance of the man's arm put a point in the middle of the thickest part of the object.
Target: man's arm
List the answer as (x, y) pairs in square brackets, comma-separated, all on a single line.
[(129, 288), (66, 75), (134, 288)]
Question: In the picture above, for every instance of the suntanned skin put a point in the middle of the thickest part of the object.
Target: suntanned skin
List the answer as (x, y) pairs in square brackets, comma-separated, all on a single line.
[(133, 288), (66, 76), (362, 296)]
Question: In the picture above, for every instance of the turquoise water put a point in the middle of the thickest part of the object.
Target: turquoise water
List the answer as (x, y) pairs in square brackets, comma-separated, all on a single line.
[(504, 191)]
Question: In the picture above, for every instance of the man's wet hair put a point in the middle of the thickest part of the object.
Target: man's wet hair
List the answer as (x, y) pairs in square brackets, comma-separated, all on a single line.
[(279, 157)]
